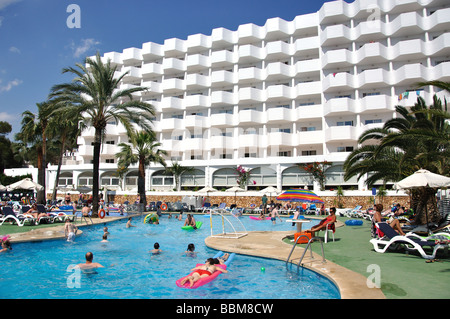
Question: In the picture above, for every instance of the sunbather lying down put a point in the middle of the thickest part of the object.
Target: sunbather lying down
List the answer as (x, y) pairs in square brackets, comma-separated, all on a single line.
[(202, 271)]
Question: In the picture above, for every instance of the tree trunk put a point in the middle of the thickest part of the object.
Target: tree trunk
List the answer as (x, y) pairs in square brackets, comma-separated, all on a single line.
[(141, 182), (58, 171), (40, 197), (425, 204), (95, 172)]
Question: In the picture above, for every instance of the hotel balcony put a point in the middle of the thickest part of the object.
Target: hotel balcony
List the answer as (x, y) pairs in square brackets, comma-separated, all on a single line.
[(171, 103), (193, 144), (410, 74), (198, 43), (307, 89), (377, 104), (279, 93), (308, 138), (221, 38), (250, 116), (174, 47), (195, 121), (250, 95), (335, 35), (197, 101), (307, 68), (374, 78), (173, 145), (276, 28), (279, 139), (222, 78), (250, 75), (249, 53), (334, 59), (152, 87), (197, 62), (196, 81), (131, 56), (278, 50), (308, 112), (338, 82), (171, 124), (222, 97), (125, 86), (223, 58), (249, 140), (339, 106), (341, 133), (173, 66), (85, 150), (108, 149), (151, 70), (248, 33), (306, 46), (279, 114), (115, 58), (278, 71), (152, 51), (222, 120), (220, 142), (174, 85)]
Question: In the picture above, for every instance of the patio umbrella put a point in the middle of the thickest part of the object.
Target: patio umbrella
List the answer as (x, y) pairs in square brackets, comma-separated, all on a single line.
[(269, 190), (235, 189), (2, 188), (425, 179), (300, 195), (25, 183), (207, 189), (84, 189)]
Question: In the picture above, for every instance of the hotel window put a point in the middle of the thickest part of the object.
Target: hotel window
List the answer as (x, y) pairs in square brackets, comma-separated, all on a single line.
[(307, 128), (344, 123), (309, 153), (177, 138), (372, 121), (226, 156), (250, 155), (110, 142), (109, 161), (284, 154), (345, 149), (371, 94)]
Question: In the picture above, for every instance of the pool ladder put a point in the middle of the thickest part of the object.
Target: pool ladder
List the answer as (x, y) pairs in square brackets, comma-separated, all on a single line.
[(310, 241)]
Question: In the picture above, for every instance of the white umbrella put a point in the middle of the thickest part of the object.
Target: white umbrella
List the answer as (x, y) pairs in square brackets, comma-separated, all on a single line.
[(2, 188), (235, 189), (84, 189), (25, 183), (423, 178), (207, 189)]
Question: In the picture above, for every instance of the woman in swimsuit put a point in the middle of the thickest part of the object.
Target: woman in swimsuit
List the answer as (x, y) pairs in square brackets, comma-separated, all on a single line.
[(202, 271), (325, 222)]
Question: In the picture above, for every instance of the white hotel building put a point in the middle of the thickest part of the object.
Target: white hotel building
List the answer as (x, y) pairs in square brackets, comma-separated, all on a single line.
[(269, 97)]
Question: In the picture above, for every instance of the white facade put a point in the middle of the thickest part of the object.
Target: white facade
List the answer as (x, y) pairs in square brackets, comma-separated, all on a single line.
[(268, 97)]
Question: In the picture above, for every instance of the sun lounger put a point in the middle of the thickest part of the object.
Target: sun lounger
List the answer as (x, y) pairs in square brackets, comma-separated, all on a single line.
[(20, 220), (392, 239)]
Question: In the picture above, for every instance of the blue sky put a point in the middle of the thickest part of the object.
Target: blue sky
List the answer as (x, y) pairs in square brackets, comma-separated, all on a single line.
[(36, 43)]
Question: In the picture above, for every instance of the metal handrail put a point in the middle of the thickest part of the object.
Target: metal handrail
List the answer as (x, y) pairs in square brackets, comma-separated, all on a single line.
[(304, 252)]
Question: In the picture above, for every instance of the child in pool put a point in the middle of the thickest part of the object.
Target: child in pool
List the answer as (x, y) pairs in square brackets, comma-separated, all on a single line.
[(202, 271), (156, 250), (191, 251)]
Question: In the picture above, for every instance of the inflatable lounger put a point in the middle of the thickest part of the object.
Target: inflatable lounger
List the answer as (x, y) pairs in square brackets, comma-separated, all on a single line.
[(257, 218), (197, 224), (205, 280)]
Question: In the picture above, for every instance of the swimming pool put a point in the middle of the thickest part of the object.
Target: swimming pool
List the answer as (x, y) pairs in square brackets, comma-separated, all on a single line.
[(45, 269)]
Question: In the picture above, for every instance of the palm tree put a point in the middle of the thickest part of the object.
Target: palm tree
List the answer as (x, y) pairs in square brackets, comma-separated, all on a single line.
[(419, 138), (177, 170), (96, 94), (34, 133), (144, 149), (65, 129)]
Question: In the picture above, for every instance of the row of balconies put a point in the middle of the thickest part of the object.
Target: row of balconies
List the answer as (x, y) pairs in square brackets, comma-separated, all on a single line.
[(272, 71), (244, 96), (406, 75), (409, 23), (372, 53), (174, 48)]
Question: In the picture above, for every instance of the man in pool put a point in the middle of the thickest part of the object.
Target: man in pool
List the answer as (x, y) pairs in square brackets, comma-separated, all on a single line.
[(89, 264), (202, 271)]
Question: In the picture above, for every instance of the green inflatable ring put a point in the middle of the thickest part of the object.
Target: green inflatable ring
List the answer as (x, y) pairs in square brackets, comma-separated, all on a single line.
[(198, 224)]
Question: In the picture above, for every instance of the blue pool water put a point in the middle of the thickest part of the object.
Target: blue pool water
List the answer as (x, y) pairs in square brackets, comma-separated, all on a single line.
[(44, 269)]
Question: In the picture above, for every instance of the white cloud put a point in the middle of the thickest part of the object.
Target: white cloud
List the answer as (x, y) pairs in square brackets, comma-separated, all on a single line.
[(6, 117), (10, 85), (14, 50), (5, 3), (85, 46)]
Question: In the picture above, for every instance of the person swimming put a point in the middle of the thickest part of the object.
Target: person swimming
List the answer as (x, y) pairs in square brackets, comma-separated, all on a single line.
[(202, 271)]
